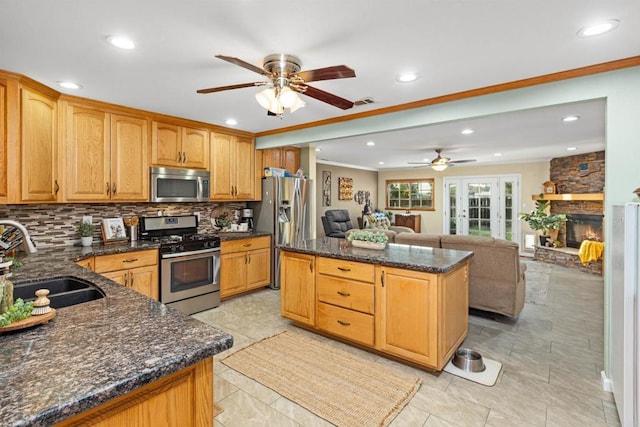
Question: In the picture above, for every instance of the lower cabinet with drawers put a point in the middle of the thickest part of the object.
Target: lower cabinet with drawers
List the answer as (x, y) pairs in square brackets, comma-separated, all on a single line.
[(137, 270), (415, 316), (245, 264)]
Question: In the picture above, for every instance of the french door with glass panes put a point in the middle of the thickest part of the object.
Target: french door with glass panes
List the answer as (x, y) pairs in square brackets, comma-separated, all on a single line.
[(482, 206)]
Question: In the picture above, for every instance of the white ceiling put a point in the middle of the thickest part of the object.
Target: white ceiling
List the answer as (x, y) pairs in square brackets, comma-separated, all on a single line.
[(454, 45)]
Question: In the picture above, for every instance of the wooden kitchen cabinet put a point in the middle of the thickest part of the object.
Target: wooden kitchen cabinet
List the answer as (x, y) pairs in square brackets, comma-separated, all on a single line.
[(298, 287), (179, 146), (282, 157), (345, 292), (184, 398), (245, 264), (411, 221), (137, 270), (106, 156), (421, 317), (3, 141), (38, 147), (232, 167)]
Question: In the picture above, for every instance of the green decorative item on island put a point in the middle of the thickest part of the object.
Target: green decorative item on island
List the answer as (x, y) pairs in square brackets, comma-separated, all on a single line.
[(368, 239)]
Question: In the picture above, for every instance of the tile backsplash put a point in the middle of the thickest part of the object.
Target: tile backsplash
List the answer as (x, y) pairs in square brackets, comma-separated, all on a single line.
[(55, 224)]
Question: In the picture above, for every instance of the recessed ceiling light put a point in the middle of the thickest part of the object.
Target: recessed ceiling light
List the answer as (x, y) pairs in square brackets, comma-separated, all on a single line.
[(598, 28), (572, 148), (497, 154), (570, 118), (370, 143), (121, 42), (467, 131), (69, 85), (318, 149), (407, 77), (381, 163), (231, 122)]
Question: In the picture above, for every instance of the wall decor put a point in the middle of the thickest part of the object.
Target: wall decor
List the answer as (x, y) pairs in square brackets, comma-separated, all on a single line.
[(362, 197), (326, 188), (345, 188)]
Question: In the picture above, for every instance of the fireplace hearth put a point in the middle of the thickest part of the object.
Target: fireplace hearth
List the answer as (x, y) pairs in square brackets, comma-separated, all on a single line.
[(583, 227)]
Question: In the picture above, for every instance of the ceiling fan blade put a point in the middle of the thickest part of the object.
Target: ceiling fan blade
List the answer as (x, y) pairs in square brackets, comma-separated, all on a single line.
[(327, 97), (462, 161), (419, 163), (238, 86), (243, 64), (328, 73)]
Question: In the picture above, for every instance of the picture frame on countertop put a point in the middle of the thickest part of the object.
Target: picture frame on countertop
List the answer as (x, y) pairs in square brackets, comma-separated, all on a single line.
[(113, 230)]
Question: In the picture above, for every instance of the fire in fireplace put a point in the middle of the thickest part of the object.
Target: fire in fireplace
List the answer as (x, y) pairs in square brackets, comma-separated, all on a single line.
[(583, 227)]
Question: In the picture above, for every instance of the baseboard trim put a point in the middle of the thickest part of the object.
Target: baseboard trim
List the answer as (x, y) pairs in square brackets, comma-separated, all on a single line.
[(607, 385)]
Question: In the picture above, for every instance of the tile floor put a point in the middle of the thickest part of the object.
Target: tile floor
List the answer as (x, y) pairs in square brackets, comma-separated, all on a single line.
[(552, 356)]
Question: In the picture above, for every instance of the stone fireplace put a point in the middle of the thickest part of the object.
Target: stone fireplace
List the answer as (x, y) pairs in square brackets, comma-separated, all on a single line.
[(579, 184)]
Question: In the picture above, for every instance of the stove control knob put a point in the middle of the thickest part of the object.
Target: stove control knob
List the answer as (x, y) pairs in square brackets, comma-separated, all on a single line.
[(181, 248), (206, 244), (174, 248)]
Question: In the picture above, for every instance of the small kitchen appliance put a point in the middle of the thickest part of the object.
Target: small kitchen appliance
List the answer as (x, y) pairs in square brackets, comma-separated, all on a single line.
[(247, 217), (189, 262)]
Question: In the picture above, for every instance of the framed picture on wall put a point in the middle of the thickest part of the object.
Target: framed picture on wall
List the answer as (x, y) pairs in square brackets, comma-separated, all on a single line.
[(345, 188), (326, 188)]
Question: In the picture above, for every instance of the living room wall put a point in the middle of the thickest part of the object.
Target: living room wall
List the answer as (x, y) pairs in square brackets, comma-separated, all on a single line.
[(363, 180), (532, 175)]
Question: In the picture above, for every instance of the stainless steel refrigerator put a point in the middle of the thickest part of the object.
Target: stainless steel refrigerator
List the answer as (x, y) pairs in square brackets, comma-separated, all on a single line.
[(285, 212)]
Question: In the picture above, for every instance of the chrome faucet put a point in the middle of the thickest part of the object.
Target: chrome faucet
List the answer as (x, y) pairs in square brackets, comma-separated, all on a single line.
[(29, 246)]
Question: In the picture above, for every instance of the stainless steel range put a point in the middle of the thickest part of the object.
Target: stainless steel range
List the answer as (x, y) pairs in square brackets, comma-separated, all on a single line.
[(189, 262)]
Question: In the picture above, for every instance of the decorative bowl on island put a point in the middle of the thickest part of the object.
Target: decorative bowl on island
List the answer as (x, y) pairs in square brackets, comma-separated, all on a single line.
[(368, 239)]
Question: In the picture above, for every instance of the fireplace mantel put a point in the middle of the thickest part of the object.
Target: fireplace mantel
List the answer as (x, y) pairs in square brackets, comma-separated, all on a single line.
[(569, 196)]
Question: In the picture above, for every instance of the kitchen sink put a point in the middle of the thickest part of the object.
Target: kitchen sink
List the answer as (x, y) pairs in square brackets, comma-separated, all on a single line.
[(63, 291)]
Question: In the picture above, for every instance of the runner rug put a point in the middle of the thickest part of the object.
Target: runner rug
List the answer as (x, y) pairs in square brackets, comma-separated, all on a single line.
[(338, 386)]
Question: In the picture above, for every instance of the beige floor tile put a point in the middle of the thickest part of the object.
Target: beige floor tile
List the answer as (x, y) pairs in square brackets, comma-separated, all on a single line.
[(611, 413), (251, 387), (299, 414), (243, 410), (571, 380), (222, 388), (453, 409), (410, 416), (561, 417), (500, 419), (434, 421)]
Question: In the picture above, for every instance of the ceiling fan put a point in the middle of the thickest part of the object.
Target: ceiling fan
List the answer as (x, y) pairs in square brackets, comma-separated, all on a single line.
[(441, 163), (285, 79)]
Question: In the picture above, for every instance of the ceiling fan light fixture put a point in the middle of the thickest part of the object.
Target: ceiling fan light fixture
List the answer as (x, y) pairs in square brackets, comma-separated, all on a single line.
[(288, 97), (439, 168), (299, 103)]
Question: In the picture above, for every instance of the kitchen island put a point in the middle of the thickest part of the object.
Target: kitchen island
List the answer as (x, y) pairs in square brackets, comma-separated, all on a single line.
[(93, 357), (407, 302)]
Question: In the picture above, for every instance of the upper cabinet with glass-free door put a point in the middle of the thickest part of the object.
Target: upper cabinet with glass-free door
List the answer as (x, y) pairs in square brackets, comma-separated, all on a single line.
[(232, 167), (105, 155), (179, 146)]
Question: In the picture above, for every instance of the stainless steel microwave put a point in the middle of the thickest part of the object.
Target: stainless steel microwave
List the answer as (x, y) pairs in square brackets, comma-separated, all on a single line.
[(179, 185)]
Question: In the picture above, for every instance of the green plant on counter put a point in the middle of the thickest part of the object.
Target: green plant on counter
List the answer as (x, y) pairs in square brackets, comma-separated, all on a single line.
[(18, 311), (223, 221), (368, 236), (86, 229)]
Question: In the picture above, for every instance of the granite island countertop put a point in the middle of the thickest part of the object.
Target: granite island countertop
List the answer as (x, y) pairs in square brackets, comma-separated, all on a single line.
[(419, 258), (95, 351)]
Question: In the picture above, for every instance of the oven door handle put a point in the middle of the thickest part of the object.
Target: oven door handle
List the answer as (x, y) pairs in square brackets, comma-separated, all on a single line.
[(179, 254)]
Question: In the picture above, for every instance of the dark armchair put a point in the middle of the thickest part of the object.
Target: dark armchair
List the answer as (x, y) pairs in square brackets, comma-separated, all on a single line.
[(336, 222)]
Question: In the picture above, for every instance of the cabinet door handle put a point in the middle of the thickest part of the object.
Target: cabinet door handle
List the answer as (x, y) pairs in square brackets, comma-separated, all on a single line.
[(108, 189), (343, 323), (128, 260), (249, 259), (246, 245), (346, 270), (382, 279), (179, 156), (132, 279), (246, 256), (113, 188), (184, 157), (311, 265), (344, 294), (56, 187), (126, 279)]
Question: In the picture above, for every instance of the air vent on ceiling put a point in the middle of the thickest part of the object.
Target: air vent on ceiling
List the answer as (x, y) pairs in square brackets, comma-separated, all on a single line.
[(364, 101)]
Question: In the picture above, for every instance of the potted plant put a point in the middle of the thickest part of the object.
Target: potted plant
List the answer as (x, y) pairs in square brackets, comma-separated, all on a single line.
[(85, 230), (368, 239), (539, 220)]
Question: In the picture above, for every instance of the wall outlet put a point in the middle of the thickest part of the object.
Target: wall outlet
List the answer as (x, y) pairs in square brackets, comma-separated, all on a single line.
[(87, 219)]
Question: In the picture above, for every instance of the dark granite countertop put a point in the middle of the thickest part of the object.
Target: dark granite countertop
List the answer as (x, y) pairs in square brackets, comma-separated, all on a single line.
[(226, 236), (95, 351), (419, 258)]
